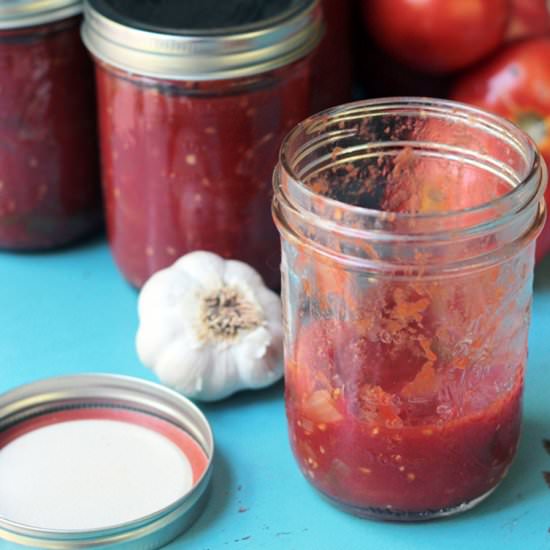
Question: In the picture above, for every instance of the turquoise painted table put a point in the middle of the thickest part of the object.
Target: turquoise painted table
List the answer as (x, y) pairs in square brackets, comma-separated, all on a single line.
[(71, 312)]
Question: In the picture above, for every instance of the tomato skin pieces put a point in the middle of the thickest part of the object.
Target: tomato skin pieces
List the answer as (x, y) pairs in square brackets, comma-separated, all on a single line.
[(437, 36), (515, 84)]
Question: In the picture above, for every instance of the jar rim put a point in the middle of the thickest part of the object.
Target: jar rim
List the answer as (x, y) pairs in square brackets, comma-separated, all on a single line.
[(423, 105), (371, 239), (16, 14), (234, 52)]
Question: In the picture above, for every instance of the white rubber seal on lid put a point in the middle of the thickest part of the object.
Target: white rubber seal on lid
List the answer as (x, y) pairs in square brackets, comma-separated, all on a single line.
[(100, 461)]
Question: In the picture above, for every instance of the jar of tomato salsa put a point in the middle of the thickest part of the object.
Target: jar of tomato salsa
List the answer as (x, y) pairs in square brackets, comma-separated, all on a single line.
[(408, 230), (49, 170), (194, 101)]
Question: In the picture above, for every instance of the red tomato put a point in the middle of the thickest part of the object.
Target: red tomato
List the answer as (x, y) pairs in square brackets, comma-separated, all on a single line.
[(437, 36), (516, 84), (529, 18)]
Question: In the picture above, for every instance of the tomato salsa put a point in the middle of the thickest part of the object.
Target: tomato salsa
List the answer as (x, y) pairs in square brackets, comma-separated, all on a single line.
[(187, 166), (386, 441), (49, 170)]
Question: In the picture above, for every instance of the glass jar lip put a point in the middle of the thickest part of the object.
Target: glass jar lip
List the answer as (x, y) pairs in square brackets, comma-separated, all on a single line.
[(15, 14), (234, 52), (422, 105)]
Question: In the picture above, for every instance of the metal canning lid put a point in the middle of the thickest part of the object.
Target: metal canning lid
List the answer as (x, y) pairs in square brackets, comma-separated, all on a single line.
[(148, 407), (15, 14), (196, 51)]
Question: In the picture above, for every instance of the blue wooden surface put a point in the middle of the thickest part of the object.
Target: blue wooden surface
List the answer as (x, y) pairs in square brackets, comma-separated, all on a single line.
[(70, 312)]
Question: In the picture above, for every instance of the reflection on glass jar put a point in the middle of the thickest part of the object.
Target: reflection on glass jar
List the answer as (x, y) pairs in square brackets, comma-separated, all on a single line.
[(49, 172), (190, 128), (408, 231)]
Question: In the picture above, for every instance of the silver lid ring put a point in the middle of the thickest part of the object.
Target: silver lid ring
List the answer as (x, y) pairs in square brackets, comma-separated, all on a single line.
[(203, 56), (15, 14)]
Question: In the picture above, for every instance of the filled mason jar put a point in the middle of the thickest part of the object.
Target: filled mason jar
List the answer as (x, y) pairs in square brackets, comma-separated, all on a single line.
[(408, 232), (194, 101), (49, 170)]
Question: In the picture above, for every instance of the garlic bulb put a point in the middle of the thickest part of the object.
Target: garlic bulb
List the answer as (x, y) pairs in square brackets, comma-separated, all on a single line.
[(209, 327)]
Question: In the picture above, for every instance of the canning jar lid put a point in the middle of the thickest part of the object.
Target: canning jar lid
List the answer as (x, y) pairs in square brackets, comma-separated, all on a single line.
[(100, 461), (16, 14), (201, 39)]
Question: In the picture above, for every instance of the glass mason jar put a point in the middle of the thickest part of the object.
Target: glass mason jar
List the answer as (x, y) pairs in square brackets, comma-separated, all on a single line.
[(191, 122), (408, 232), (49, 170)]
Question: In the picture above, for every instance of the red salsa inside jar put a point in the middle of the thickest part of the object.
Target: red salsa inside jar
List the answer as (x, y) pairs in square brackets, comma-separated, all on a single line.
[(187, 161), (187, 166), (49, 170), (403, 392), (389, 439)]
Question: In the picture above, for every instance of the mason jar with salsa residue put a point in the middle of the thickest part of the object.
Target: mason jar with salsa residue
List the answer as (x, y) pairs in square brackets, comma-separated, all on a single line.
[(194, 101), (408, 229), (49, 170)]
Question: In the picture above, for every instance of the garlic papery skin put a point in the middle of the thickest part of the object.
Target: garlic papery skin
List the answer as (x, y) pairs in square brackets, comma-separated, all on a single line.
[(209, 327)]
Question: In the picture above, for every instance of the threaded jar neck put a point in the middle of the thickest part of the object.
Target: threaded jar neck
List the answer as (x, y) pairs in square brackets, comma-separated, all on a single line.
[(424, 185), (125, 38)]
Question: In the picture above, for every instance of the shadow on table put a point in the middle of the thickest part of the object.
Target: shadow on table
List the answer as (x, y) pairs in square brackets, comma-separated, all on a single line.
[(246, 399), (88, 242), (525, 479), (523, 482), (221, 492), (542, 275)]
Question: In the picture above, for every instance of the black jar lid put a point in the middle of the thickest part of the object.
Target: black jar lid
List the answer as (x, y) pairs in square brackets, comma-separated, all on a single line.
[(16, 14), (201, 39)]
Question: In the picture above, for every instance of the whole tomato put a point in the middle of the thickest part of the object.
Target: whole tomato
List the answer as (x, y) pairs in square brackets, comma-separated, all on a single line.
[(516, 84), (529, 18), (437, 36)]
